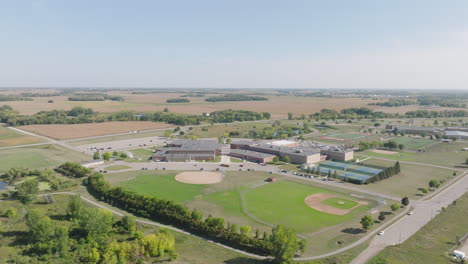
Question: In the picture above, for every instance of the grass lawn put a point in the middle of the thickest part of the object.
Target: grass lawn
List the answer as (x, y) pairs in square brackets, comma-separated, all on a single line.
[(339, 203), (38, 157), (9, 137), (404, 156), (220, 129), (407, 183), (234, 160), (141, 153), (414, 143), (432, 241), (283, 203), (164, 186), (117, 167), (289, 167)]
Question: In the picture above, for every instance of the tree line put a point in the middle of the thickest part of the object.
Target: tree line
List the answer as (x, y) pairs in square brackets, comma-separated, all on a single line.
[(235, 97), (178, 100), (80, 115), (95, 97), (385, 174), (10, 98)]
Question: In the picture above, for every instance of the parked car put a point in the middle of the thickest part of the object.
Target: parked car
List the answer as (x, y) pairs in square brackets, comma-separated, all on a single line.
[(410, 212), (381, 233)]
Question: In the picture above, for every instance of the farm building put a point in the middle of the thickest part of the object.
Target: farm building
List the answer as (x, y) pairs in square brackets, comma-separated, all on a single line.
[(92, 163), (182, 150)]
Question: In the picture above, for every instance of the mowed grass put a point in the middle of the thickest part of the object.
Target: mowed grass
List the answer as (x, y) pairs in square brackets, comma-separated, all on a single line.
[(38, 157), (414, 143), (117, 167), (432, 241), (164, 186), (339, 203), (283, 203), (141, 153), (9, 137), (407, 183)]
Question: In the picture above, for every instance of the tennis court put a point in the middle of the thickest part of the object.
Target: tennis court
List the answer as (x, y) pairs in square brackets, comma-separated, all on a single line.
[(336, 165), (351, 176), (366, 170)]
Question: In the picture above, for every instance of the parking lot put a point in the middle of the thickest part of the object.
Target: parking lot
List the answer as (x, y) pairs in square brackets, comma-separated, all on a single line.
[(122, 144)]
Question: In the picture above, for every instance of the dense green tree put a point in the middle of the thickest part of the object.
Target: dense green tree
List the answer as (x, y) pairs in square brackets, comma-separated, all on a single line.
[(61, 241), (405, 201), (246, 230), (96, 155), (394, 206), (287, 159), (128, 223), (284, 244), (107, 156), (40, 227), (434, 184), (367, 222), (27, 191), (75, 207), (73, 169)]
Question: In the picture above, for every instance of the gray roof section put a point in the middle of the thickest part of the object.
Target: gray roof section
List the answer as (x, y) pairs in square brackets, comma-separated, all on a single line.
[(429, 129), (250, 153), (456, 133), (200, 145), (305, 151)]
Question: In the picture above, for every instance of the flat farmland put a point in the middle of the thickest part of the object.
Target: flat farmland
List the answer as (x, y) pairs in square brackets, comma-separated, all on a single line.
[(92, 129), (38, 157), (9, 137)]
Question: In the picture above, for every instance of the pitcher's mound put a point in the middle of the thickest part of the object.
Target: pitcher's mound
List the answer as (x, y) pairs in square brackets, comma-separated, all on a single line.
[(199, 177)]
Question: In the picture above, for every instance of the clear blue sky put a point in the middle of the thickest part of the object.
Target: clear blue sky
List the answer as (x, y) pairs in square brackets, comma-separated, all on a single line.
[(220, 43)]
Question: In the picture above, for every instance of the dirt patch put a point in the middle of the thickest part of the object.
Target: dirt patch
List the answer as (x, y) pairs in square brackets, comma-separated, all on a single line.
[(93, 129), (314, 202), (381, 151), (199, 177)]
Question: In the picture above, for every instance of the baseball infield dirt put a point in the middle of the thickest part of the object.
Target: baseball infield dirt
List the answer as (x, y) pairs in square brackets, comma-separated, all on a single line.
[(314, 202), (199, 177)]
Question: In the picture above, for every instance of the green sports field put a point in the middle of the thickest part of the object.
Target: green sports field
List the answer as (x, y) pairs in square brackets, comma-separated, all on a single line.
[(414, 143), (164, 186), (339, 203), (283, 203)]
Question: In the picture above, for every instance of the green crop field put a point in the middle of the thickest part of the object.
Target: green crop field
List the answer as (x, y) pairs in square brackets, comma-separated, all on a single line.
[(283, 203), (38, 157), (414, 143), (432, 241), (339, 203)]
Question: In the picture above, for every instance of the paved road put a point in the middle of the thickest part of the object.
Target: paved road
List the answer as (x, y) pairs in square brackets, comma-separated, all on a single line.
[(424, 211)]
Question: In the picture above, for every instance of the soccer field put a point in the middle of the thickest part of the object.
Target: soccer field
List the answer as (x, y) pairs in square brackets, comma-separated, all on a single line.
[(413, 143)]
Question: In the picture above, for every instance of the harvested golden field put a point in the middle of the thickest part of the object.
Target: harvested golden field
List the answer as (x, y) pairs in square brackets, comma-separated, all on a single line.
[(93, 129), (406, 108), (9, 137)]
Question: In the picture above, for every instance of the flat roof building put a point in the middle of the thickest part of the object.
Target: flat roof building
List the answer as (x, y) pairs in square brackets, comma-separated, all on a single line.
[(182, 150)]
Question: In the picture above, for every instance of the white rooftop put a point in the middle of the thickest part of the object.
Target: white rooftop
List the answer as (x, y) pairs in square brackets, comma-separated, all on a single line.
[(282, 143)]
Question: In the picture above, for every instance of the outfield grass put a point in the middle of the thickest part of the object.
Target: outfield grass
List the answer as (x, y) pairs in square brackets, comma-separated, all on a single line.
[(117, 167), (164, 186), (339, 203), (283, 203), (38, 157), (432, 241)]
